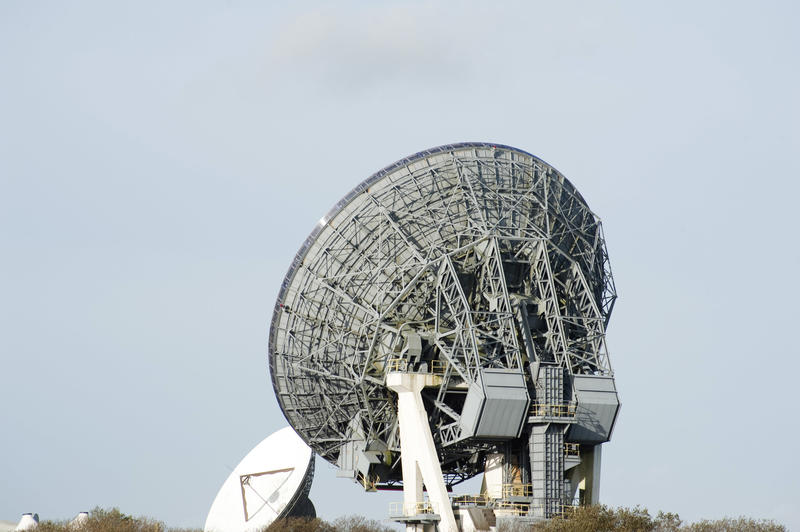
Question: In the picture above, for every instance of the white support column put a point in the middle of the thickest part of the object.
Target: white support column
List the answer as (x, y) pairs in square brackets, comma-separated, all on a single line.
[(585, 477), (412, 489), (417, 449), (593, 475), (493, 476)]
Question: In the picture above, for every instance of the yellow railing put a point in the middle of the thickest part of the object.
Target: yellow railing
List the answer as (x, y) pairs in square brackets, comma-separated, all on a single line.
[(564, 510), (369, 485), (469, 500), (396, 364), (520, 509), (512, 507), (555, 410), (517, 490), (568, 509), (434, 367), (418, 508), (572, 449)]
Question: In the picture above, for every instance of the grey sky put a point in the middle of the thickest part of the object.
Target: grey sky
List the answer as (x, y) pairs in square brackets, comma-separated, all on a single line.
[(161, 163)]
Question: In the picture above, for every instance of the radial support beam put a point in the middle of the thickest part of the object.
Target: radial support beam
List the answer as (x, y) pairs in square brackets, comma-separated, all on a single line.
[(418, 451)]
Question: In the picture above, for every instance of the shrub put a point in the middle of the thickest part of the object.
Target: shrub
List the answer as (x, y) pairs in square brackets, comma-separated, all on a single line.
[(101, 520), (597, 518), (299, 524), (601, 518), (741, 524), (358, 523)]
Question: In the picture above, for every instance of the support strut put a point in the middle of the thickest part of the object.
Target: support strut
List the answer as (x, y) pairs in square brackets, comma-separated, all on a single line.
[(420, 460)]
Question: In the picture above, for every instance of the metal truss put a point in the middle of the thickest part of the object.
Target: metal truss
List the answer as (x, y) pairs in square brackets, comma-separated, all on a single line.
[(469, 256)]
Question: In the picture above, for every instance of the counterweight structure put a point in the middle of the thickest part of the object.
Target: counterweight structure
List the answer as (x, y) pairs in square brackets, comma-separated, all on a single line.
[(481, 268)]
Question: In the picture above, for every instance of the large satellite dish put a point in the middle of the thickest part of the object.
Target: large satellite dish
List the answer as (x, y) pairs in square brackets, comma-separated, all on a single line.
[(480, 265), (270, 483)]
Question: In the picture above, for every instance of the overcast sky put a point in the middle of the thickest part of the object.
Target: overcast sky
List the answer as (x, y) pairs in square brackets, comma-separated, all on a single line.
[(162, 162)]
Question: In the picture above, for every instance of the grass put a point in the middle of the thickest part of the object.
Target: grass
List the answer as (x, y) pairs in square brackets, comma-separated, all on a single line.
[(590, 519)]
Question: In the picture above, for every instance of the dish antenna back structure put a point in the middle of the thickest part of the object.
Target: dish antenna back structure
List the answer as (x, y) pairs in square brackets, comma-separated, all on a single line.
[(447, 318)]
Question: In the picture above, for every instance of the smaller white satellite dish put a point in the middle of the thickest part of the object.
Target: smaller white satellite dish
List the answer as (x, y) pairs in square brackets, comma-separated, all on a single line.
[(270, 483), (28, 522), (79, 521)]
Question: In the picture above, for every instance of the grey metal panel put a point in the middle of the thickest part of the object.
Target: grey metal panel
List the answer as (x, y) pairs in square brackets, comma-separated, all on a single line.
[(594, 383), (353, 457), (598, 405), (350, 459), (546, 448), (496, 405), (473, 407), (551, 385), (501, 418), (506, 405)]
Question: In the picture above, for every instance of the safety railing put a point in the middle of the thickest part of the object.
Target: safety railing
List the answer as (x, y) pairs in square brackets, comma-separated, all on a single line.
[(572, 449), (469, 500), (397, 364), (437, 367), (568, 509), (556, 508), (551, 510), (517, 490), (542, 507), (369, 485), (553, 410), (564, 510), (434, 367), (417, 508), (512, 508)]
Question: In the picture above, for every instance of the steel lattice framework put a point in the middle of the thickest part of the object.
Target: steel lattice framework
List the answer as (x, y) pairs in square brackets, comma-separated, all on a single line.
[(469, 256)]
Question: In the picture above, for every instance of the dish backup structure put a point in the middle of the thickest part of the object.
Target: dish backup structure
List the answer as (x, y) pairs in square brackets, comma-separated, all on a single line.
[(447, 318)]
